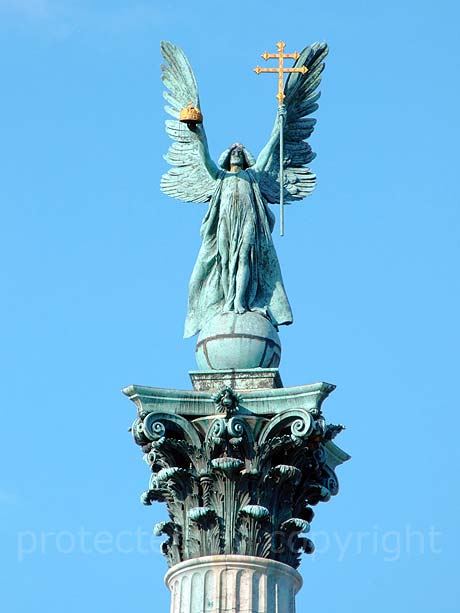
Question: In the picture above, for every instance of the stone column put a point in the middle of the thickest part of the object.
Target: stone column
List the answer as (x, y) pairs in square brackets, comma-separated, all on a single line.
[(232, 584), (239, 461)]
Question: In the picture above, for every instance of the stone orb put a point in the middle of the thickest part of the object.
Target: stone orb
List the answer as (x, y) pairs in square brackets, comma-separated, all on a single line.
[(238, 341)]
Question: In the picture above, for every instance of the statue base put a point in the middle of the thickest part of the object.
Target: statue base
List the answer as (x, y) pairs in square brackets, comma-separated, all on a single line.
[(244, 379), (238, 340), (232, 584)]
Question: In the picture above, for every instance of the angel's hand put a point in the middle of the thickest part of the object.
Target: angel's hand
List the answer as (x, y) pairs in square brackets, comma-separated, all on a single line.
[(197, 129)]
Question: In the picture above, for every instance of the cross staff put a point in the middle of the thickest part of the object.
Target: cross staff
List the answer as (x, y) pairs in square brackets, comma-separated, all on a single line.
[(281, 56)]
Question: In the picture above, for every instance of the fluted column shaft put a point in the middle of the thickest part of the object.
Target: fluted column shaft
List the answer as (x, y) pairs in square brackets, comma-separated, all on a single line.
[(232, 584)]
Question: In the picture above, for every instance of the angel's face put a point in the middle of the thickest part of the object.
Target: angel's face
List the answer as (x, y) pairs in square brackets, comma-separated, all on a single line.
[(236, 157)]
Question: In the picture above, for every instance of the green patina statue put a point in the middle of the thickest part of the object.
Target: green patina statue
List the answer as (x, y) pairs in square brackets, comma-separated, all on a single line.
[(237, 268), (240, 461)]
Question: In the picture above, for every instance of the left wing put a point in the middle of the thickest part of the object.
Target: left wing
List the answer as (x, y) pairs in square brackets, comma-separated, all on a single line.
[(301, 101), (188, 179)]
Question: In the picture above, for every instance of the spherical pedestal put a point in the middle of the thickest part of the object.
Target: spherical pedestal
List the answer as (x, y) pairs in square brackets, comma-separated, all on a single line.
[(238, 341), (232, 584)]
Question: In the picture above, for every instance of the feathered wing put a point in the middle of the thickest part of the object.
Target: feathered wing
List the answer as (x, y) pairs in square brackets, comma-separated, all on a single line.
[(301, 101), (188, 179)]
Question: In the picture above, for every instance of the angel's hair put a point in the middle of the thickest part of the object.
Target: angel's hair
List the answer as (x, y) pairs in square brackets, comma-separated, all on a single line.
[(224, 159)]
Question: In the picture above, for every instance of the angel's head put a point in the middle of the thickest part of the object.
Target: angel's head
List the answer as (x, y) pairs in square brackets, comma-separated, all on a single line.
[(236, 155)]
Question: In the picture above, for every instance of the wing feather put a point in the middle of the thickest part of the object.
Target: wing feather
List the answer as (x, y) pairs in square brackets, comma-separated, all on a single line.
[(301, 100), (188, 179)]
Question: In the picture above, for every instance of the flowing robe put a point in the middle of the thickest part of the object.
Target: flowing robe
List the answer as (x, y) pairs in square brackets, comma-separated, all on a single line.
[(238, 219)]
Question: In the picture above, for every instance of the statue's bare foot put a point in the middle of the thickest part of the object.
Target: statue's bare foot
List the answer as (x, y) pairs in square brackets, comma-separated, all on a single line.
[(228, 307), (239, 308)]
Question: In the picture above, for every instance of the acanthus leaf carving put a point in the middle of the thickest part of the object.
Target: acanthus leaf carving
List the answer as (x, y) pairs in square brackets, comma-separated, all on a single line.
[(235, 482)]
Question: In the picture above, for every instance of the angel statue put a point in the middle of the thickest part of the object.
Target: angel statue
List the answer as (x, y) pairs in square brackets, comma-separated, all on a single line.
[(237, 268)]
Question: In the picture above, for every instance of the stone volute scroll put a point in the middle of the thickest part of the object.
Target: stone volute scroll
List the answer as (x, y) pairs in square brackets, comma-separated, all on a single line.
[(239, 461), (238, 476)]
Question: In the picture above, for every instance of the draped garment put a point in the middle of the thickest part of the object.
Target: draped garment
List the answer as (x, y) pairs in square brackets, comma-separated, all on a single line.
[(237, 225)]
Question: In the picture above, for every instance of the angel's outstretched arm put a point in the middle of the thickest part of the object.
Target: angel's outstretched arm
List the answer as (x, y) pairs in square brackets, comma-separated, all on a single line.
[(203, 149), (266, 153)]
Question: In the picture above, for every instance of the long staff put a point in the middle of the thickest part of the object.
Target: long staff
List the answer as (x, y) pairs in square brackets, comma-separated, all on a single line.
[(281, 56), (281, 115)]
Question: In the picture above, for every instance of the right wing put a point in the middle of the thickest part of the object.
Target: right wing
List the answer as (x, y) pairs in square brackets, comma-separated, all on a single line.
[(301, 100), (188, 179)]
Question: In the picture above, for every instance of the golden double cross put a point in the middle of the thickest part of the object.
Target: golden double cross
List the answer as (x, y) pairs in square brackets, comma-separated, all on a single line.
[(280, 56)]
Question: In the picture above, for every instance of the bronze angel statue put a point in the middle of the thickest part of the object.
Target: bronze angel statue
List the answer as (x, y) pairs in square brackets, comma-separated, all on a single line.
[(237, 267)]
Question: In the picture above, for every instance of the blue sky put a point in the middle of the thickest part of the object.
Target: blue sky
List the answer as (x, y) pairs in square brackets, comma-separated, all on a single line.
[(96, 264)]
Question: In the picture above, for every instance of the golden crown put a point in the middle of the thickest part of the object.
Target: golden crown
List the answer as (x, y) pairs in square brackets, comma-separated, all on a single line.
[(191, 114)]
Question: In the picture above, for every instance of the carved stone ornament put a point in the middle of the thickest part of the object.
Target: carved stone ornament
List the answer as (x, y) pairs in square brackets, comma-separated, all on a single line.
[(239, 473)]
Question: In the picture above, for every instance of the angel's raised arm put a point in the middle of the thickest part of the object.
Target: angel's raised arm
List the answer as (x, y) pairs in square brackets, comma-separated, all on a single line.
[(193, 173), (203, 149), (272, 143)]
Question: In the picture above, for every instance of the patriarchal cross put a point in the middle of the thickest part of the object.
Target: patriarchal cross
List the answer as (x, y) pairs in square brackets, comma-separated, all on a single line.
[(281, 56)]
